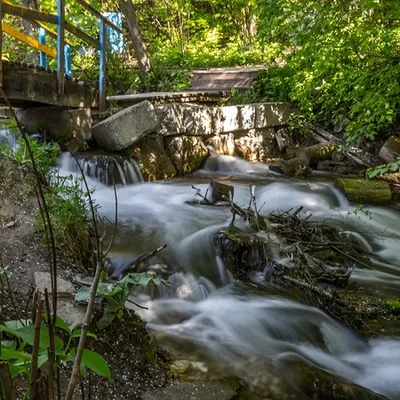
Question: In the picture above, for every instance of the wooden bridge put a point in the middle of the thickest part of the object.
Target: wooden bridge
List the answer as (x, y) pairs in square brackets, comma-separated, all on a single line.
[(27, 85), (32, 85)]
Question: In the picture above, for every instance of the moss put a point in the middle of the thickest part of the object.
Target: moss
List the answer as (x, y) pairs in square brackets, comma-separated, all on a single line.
[(364, 191), (393, 304)]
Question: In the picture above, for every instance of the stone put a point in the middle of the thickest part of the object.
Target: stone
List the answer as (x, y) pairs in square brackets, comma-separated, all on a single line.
[(222, 144), (126, 127), (70, 312), (65, 126), (185, 119), (234, 118), (271, 114), (187, 153), (250, 147), (152, 159), (390, 150), (208, 390), (43, 281)]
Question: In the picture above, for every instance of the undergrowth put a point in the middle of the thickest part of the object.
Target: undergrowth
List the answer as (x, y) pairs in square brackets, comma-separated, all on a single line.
[(67, 202)]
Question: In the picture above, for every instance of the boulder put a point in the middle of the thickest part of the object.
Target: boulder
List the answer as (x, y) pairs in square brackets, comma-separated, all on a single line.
[(126, 127), (222, 144), (185, 119), (43, 281), (251, 146), (390, 150), (152, 159), (187, 153), (362, 191)]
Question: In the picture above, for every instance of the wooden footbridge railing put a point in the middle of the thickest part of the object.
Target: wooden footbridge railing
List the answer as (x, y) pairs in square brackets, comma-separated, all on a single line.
[(42, 20)]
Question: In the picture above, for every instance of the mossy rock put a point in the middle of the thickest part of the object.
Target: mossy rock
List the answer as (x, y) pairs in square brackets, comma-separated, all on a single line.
[(187, 153), (362, 191), (152, 159)]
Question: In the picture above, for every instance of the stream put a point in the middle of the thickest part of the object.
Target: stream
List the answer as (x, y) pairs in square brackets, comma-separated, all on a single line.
[(210, 318)]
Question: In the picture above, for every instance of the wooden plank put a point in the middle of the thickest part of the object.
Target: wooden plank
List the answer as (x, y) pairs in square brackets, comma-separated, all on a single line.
[(103, 66), (98, 15), (81, 35), (50, 31), (60, 46), (27, 13), (30, 41)]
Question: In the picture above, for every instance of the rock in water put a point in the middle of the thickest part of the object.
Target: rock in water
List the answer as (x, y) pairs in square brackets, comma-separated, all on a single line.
[(365, 192), (390, 150), (152, 159), (187, 153), (126, 127)]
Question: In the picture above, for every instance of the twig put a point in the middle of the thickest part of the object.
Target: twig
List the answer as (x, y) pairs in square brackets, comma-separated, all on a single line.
[(82, 339), (116, 216), (35, 352), (145, 257), (92, 210), (136, 304), (51, 348), (6, 385)]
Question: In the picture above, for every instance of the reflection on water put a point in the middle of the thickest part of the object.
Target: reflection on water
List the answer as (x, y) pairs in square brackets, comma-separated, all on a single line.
[(241, 331)]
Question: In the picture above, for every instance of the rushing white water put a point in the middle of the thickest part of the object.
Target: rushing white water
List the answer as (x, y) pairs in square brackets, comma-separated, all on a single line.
[(107, 169), (207, 315)]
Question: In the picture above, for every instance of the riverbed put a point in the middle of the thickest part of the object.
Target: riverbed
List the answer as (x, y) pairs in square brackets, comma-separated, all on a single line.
[(211, 318)]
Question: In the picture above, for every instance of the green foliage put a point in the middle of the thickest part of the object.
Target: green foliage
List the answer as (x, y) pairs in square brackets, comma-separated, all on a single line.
[(117, 294), (18, 339), (383, 169), (45, 154), (393, 304), (68, 206), (66, 201), (340, 60)]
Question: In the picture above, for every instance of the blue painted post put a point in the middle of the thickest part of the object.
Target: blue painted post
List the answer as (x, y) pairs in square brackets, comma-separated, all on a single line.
[(103, 65), (42, 40), (60, 45), (68, 61)]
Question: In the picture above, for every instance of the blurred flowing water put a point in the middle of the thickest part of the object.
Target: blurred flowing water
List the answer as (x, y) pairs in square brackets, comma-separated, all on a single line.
[(207, 318)]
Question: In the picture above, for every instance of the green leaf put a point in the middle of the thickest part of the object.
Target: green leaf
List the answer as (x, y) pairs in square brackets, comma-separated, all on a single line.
[(17, 324), (96, 363), (9, 344), (83, 294), (11, 354)]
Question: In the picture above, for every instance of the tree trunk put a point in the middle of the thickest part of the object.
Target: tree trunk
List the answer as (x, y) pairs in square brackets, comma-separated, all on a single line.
[(129, 12), (365, 192), (29, 29)]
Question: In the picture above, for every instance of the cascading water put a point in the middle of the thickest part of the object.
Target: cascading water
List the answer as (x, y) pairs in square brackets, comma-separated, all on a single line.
[(105, 168), (7, 138), (208, 317)]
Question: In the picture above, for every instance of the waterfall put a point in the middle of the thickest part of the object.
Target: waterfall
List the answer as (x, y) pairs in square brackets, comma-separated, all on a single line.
[(105, 168)]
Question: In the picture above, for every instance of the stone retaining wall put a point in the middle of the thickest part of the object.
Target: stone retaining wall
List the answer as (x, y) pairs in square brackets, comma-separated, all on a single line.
[(172, 139)]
